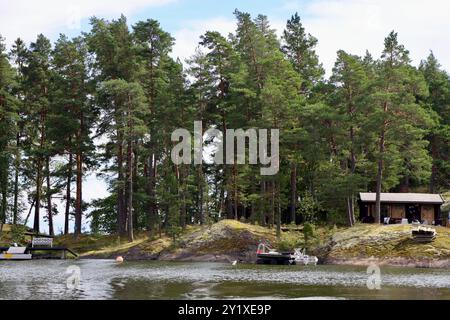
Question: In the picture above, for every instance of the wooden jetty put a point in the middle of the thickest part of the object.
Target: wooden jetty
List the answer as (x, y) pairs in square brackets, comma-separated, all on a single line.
[(16, 253), (40, 248), (33, 251)]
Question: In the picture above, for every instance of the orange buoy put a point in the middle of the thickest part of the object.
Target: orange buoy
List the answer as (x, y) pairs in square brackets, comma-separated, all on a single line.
[(119, 259)]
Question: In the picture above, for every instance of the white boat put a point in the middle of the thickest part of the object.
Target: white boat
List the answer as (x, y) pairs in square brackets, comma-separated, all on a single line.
[(16, 253), (267, 255), (424, 234), (301, 258)]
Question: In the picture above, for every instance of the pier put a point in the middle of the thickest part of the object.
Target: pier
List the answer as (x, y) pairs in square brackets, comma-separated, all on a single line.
[(51, 250), (38, 245)]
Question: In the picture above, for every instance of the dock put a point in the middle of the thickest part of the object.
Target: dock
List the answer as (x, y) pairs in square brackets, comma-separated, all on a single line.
[(32, 250)]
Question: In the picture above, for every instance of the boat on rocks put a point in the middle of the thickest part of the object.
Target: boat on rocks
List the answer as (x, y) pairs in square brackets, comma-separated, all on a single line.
[(423, 234)]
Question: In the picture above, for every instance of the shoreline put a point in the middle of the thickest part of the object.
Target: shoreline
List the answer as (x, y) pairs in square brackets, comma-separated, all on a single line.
[(426, 263), (230, 240)]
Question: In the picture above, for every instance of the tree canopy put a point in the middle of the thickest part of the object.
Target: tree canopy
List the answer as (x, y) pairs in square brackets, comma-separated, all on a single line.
[(108, 101)]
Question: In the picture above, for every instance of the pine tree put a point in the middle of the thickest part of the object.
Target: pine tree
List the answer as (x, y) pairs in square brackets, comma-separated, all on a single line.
[(299, 48), (438, 83), (112, 44), (351, 89), (8, 127), (224, 71), (72, 116), (398, 115), (129, 101), (38, 75), (18, 55), (153, 46)]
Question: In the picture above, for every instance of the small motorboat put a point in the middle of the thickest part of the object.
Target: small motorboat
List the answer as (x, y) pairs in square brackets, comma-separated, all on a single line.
[(423, 234), (15, 253), (301, 257), (267, 255)]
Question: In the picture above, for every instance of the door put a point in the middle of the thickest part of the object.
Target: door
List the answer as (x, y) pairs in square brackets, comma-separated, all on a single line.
[(413, 213)]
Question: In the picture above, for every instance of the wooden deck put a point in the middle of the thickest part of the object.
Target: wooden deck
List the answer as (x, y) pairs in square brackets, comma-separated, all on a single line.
[(63, 250)]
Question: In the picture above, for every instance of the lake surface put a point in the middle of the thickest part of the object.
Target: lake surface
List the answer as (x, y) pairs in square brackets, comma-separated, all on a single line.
[(105, 279)]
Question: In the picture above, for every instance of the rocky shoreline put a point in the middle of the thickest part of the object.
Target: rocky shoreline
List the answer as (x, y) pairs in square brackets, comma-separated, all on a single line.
[(393, 262), (230, 240), (250, 258)]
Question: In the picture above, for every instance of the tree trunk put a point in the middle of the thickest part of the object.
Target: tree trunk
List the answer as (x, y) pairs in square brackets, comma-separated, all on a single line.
[(278, 211), (68, 194), (253, 211), (378, 192), (272, 204), (226, 172), (130, 161), (350, 221), (353, 209), (221, 205), (379, 178), (16, 182), (135, 187), (4, 202), (121, 229), (151, 202), (351, 203), (235, 193), (79, 193), (263, 203), (51, 231), (37, 197), (434, 168), (293, 192), (201, 215), (79, 179), (182, 194)]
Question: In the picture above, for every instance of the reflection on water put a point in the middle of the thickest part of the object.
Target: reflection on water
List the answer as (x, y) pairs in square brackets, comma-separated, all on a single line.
[(104, 279)]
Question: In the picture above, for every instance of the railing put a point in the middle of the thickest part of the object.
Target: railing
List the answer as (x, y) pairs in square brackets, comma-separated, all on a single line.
[(45, 242)]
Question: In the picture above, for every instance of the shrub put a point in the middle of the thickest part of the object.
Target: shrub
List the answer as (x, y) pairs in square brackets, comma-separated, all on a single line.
[(18, 234), (174, 232), (289, 242), (308, 232), (308, 208)]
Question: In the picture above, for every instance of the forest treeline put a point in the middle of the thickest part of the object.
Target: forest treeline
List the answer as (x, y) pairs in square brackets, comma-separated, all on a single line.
[(108, 100)]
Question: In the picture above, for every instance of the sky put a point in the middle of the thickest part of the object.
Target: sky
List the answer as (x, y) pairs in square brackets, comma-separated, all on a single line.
[(351, 25)]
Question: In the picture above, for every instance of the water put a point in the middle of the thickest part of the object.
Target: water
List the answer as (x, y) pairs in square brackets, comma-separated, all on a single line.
[(104, 279)]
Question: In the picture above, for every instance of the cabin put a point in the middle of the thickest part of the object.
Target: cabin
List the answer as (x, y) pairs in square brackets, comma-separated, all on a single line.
[(422, 207)]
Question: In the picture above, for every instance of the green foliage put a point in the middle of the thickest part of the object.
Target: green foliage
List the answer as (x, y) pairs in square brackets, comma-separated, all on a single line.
[(438, 104), (103, 215), (108, 101), (308, 233), (308, 208), (299, 48), (289, 243), (18, 234), (8, 127)]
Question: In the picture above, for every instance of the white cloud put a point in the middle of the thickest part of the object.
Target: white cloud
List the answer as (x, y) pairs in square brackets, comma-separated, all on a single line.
[(27, 18), (355, 26), (351, 25), (188, 37)]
